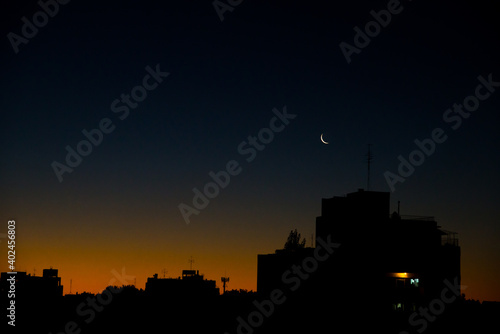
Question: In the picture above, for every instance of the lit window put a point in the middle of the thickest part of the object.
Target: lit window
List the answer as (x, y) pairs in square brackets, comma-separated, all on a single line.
[(398, 307), (414, 282)]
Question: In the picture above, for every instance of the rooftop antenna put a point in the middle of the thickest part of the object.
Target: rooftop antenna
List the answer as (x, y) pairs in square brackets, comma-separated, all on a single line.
[(164, 271), (191, 261), (224, 281), (369, 158)]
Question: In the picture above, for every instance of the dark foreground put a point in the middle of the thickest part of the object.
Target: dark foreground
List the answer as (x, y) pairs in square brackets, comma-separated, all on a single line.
[(128, 310)]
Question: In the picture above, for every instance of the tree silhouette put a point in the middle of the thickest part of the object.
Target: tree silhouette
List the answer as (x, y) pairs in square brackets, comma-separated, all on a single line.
[(293, 242)]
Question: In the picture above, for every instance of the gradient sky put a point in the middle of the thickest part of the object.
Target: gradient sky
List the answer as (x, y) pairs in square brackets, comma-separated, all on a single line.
[(119, 207)]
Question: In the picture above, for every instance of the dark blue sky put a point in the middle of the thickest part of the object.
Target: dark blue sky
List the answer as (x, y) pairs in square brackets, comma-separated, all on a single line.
[(225, 79)]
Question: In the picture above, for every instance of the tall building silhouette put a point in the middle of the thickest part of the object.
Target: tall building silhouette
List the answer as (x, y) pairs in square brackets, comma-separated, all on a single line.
[(407, 257), (386, 267)]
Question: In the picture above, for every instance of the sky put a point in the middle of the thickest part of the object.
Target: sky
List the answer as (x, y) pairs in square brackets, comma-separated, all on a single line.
[(213, 86)]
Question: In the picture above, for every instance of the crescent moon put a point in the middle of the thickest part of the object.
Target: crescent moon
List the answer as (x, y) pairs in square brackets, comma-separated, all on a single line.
[(324, 142)]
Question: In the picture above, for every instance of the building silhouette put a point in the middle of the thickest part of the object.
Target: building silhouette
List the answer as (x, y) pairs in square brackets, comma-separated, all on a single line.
[(271, 267), (386, 267), (191, 284), (38, 299), (409, 257), (47, 287)]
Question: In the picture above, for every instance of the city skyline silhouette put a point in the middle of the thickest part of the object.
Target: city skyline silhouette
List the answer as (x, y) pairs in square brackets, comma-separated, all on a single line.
[(137, 137), (413, 264)]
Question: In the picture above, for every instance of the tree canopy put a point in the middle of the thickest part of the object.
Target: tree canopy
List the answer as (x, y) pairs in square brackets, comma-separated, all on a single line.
[(293, 241)]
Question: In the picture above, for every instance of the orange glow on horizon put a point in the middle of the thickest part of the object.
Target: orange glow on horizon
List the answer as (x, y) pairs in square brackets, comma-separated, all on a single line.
[(87, 254)]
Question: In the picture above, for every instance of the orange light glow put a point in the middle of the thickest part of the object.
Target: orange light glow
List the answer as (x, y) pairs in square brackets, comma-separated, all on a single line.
[(401, 275)]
